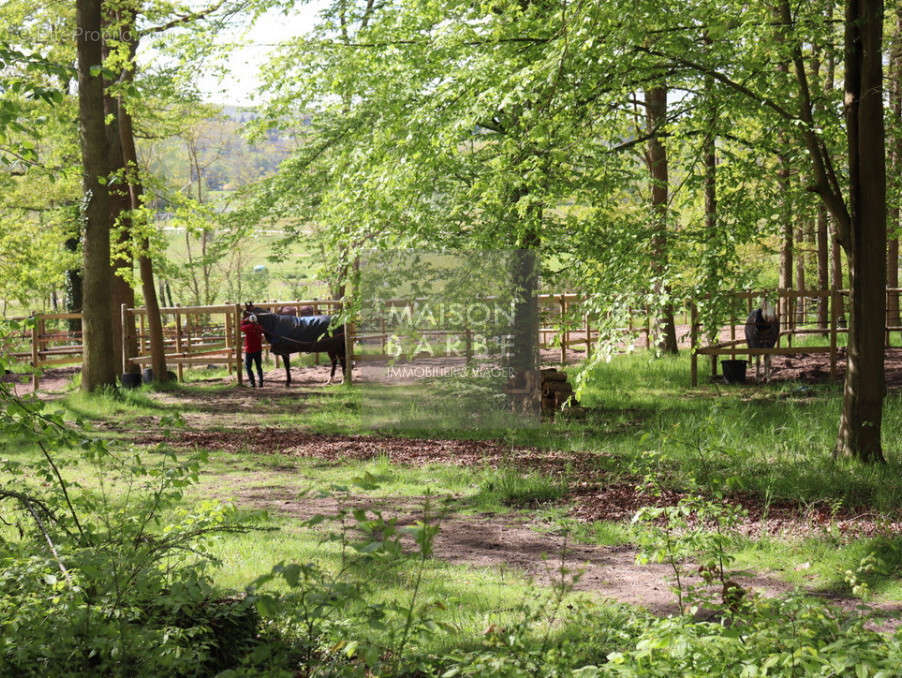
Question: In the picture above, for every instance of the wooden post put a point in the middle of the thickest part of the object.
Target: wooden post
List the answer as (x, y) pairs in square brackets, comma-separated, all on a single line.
[(647, 330), (732, 331), (178, 343), (588, 338), (693, 342), (141, 348), (35, 358), (564, 336), (316, 355), (349, 352), (237, 330), (228, 341), (790, 317), (834, 312), (123, 312), (189, 321)]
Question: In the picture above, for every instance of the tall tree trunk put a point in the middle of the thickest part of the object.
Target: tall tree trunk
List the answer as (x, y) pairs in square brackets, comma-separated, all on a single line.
[(656, 117), (823, 270), (122, 260), (136, 190), (861, 223), (524, 359), (895, 101), (860, 426), (834, 263), (800, 269), (784, 172), (786, 245), (98, 366)]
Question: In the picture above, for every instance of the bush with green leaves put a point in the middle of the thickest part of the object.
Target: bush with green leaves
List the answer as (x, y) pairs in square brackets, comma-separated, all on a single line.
[(108, 577), (788, 636)]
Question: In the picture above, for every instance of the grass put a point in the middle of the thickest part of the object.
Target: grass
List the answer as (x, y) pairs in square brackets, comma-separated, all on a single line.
[(772, 442)]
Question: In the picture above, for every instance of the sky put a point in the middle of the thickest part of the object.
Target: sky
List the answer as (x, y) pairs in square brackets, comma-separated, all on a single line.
[(243, 64)]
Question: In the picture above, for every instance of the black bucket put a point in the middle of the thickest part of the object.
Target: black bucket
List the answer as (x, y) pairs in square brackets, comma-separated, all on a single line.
[(131, 379), (734, 371)]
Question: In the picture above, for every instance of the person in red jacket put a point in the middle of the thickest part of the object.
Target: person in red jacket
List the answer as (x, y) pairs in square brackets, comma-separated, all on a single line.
[(253, 347)]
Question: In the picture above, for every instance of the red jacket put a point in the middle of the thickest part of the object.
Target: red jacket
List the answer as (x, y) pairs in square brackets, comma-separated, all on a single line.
[(253, 336)]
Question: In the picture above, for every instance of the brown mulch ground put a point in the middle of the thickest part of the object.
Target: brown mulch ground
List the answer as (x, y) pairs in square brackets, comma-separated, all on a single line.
[(594, 493)]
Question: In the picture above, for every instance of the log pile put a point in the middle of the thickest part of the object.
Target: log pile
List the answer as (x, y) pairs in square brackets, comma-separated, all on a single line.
[(556, 392)]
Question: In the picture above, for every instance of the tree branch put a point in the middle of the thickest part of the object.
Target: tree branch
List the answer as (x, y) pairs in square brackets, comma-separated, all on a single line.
[(183, 19), (720, 77)]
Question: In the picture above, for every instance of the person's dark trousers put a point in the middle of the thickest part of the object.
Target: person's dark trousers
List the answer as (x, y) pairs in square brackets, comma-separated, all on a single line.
[(255, 357)]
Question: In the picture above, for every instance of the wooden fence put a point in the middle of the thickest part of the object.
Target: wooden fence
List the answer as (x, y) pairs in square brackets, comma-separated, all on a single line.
[(797, 319), (211, 335)]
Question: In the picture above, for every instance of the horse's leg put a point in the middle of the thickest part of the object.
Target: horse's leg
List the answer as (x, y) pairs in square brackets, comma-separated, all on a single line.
[(287, 362), (334, 358)]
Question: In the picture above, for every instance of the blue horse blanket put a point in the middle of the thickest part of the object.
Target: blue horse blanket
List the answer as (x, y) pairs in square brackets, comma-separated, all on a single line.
[(295, 334)]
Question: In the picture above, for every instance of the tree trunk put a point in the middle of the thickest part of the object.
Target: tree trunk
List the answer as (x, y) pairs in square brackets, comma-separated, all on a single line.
[(860, 425), (826, 260), (130, 156), (895, 102), (786, 246), (98, 367), (656, 116), (800, 270), (783, 174), (823, 268), (122, 261)]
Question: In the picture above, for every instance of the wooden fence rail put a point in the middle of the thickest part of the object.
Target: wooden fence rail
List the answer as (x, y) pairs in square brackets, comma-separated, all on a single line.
[(211, 335), (794, 308)]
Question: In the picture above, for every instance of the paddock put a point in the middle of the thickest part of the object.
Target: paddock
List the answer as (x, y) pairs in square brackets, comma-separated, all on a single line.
[(201, 336)]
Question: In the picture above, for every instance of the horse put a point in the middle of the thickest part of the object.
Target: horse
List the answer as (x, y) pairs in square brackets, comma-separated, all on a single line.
[(762, 330), (288, 334)]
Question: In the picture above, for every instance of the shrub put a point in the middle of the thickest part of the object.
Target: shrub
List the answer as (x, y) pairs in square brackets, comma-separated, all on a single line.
[(112, 579)]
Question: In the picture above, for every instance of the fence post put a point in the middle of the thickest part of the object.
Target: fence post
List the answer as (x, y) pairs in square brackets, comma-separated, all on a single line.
[(238, 344), (693, 340), (564, 335), (349, 352), (228, 341), (35, 379), (178, 342), (732, 330), (315, 312), (125, 356), (834, 312), (588, 338)]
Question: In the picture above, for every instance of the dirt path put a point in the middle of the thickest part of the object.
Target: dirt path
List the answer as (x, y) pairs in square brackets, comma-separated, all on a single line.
[(506, 544), (513, 544), (53, 382)]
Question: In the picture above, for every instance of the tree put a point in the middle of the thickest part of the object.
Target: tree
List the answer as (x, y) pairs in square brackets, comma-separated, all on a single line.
[(98, 368), (656, 158)]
